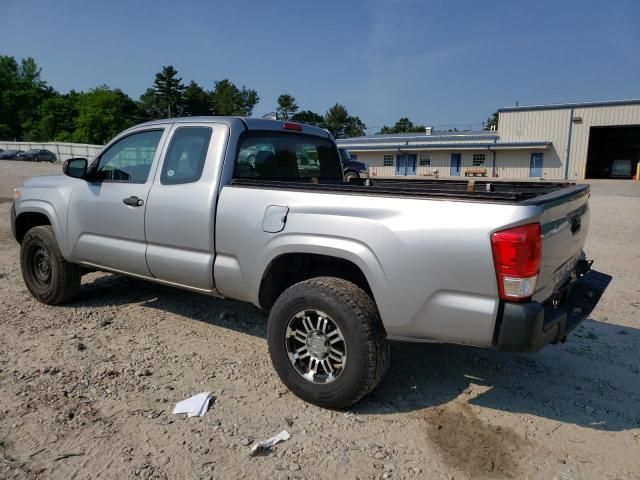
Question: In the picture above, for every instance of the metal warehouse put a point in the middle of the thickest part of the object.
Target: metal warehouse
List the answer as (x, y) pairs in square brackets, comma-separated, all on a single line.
[(551, 142)]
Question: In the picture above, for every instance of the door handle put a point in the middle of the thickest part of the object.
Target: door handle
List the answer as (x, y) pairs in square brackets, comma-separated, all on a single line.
[(133, 201)]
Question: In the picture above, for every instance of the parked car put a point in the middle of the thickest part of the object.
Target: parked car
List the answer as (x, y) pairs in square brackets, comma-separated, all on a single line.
[(352, 168), (9, 154), (341, 268), (621, 169), (37, 155)]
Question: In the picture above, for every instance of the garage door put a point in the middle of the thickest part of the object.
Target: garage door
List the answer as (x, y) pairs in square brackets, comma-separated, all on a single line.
[(613, 152)]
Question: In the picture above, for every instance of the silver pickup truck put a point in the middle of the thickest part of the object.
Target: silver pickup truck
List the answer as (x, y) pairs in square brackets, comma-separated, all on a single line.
[(258, 210)]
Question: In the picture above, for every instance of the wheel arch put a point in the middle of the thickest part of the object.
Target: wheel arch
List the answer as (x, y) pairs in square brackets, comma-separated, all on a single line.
[(33, 214), (287, 269)]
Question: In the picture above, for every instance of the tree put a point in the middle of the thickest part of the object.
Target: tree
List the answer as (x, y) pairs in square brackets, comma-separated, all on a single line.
[(21, 93), (149, 106), (287, 106), (492, 121), (102, 113), (356, 127), (168, 89), (404, 125), (337, 120), (227, 99), (195, 100), (56, 118), (341, 124), (307, 116)]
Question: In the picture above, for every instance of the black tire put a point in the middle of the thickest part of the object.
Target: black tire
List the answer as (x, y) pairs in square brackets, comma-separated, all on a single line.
[(48, 276), (357, 318), (349, 175)]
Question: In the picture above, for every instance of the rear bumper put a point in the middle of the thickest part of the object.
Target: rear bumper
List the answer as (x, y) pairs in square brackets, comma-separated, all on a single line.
[(529, 326)]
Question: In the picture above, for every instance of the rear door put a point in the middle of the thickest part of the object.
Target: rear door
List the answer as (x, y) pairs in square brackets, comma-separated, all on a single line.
[(106, 213), (180, 215)]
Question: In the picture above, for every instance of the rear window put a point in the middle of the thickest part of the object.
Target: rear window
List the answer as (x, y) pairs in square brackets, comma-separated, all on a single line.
[(288, 157)]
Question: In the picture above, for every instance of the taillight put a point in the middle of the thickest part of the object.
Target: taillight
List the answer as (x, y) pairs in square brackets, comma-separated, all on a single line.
[(292, 126), (516, 257)]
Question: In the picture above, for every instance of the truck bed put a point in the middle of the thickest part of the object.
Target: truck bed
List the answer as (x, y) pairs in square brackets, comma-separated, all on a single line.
[(524, 193)]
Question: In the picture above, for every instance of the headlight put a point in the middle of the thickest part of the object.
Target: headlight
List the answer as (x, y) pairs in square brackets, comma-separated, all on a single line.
[(16, 194)]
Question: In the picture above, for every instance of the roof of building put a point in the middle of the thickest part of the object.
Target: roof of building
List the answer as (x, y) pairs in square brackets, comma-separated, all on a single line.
[(360, 144), (561, 106), (422, 137)]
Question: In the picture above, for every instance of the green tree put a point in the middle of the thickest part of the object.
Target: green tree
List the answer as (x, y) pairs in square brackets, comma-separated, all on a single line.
[(102, 113), (403, 125), (168, 90), (227, 99), (341, 124), (307, 116), (56, 118), (287, 106), (356, 127), (21, 93), (492, 121), (195, 100), (149, 106)]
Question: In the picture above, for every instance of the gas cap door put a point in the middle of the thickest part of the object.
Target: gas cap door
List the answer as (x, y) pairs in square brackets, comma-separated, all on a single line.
[(275, 217)]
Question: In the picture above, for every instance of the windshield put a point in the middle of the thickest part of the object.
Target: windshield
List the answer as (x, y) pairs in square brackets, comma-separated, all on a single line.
[(287, 156), (345, 154)]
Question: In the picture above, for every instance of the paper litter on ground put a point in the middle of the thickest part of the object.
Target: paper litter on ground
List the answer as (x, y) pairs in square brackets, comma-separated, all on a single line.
[(270, 442), (195, 406)]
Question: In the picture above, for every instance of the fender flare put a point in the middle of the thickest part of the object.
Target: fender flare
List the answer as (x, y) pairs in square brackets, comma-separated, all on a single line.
[(45, 208)]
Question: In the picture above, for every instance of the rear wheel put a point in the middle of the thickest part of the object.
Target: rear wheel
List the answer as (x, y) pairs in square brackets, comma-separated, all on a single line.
[(47, 275), (327, 342)]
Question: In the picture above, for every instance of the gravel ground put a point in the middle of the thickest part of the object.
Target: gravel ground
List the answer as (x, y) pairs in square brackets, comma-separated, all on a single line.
[(87, 389)]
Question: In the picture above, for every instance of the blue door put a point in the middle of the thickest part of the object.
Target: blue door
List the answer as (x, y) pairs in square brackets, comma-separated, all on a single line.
[(401, 164), (406, 164), (456, 160), (535, 167), (411, 164)]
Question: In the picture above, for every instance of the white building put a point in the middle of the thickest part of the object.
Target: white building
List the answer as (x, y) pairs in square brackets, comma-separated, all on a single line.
[(565, 141)]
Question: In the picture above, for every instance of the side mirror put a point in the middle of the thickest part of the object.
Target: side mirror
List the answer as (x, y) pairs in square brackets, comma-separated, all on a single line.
[(75, 167)]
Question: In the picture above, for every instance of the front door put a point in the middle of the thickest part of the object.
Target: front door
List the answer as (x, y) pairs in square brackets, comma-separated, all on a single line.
[(106, 213), (535, 166), (401, 164), (456, 160), (411, 164), (405, 164)]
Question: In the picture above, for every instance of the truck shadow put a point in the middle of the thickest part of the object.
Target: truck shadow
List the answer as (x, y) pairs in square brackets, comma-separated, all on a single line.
[(592, 381)]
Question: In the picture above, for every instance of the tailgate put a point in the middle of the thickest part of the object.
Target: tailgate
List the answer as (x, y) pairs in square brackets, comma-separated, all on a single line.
[(564, 224)]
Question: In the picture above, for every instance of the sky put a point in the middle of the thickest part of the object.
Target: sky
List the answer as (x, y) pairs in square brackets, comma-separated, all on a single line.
[(440, 63)]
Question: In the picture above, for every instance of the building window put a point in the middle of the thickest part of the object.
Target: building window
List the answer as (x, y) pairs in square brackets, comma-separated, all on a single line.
[(478, 159), (425, 160), (388, 161)]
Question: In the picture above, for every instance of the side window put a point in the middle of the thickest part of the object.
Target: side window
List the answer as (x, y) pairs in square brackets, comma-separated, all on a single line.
[(129, 159), (185, 156)]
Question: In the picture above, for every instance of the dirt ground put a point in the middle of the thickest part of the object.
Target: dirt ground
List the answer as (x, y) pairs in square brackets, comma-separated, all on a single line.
[(87, 389)]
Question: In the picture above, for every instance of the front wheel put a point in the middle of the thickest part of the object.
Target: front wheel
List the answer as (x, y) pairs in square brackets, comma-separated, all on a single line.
[(349, 175), (47, 275), (326, 342)]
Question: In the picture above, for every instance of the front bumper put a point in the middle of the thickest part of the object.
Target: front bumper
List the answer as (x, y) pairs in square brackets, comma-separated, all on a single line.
[(529, 326)]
